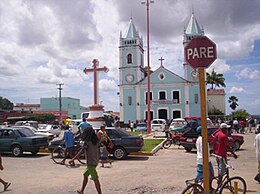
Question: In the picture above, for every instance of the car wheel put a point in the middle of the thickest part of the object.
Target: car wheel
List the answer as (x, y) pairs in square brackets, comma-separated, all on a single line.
[(188, 149), (119, 153), (17, 150)]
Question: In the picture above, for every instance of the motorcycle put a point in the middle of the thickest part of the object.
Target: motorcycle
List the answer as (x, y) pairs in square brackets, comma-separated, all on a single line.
[(173, 140)]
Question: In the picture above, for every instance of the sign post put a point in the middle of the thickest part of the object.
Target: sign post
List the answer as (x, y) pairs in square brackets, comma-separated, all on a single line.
[(200, 53)]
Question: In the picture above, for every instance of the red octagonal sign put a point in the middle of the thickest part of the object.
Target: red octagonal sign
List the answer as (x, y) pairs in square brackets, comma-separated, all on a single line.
[(200, 52)]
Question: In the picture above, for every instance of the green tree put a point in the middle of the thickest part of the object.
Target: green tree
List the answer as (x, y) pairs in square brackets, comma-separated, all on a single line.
[(5, 104), (233, 102), (240, 114), (215, 111), (44, 117), (215, 79)]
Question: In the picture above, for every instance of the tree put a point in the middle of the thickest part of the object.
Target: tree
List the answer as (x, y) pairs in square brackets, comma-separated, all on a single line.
[(44, 117), (233, 102), (5, 104), (240, 114), (216, 79)]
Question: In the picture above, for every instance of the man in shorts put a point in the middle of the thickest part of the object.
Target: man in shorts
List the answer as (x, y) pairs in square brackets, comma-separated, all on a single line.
[(92, 153), (221, 146), (69, 144), (5, 184)]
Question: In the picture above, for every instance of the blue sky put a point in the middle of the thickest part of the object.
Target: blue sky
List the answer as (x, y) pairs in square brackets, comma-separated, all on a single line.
[(46, 42)]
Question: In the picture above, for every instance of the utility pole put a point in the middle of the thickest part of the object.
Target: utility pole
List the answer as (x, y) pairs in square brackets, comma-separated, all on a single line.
[(147, 3), (60, 88)]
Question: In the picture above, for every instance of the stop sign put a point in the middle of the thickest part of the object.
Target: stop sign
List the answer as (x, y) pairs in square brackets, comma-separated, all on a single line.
[(200, 52)]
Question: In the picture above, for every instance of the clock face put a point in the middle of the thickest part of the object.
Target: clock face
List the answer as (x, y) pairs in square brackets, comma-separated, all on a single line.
[(194, 74), (129, 78)]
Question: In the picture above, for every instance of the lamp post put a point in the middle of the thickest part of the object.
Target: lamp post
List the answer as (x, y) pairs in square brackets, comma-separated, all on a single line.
[(60, 108), (147, 3)]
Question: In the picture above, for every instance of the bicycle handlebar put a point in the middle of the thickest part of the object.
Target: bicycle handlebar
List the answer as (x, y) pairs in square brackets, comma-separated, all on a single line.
[(225, 161)]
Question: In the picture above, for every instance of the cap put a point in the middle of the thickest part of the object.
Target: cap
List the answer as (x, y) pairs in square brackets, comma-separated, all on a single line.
[(224, 125)]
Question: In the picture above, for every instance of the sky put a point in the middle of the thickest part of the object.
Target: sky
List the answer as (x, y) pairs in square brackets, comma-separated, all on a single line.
[(46, 42)]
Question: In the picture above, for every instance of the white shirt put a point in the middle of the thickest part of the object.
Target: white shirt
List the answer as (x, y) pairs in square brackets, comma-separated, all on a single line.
[(257, 147), (200, 151)]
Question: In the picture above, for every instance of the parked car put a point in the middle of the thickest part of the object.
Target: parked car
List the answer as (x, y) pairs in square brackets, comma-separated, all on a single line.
[(54, 129), (50, 136), (28, 123), (158, 125), (124, 143), (141, 127), (19, 140), (191, 123), (176, 123), (188, 139)]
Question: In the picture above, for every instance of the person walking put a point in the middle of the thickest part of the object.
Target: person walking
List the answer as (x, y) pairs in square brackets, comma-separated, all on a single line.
[(103, 137), (92, 152), (69, 145), (199, 175), (104, 158), (257, 149), (221, 146), (5, 184)]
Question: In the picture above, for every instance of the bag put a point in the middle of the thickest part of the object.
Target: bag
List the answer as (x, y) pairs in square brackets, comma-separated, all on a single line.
[(110, 145)]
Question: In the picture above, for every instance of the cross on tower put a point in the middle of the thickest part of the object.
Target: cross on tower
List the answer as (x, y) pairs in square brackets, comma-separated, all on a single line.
[(161, 59), (95, 70)]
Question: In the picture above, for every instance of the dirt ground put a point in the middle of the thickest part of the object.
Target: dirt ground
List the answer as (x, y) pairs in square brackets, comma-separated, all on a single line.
[(163, 173)]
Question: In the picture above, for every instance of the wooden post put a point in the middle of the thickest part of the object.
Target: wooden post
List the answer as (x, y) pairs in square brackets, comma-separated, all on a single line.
[(204, 130)]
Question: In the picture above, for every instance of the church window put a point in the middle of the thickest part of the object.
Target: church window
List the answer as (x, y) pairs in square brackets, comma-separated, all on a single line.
[(129, 100), (161, 76), (196, 98), (129, 58), (176, 114), (151, 115), (151, 97), (176, 97), (162, 95)]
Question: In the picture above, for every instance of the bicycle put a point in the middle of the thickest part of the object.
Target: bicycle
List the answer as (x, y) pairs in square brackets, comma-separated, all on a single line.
[(226, 186), (57, 154)]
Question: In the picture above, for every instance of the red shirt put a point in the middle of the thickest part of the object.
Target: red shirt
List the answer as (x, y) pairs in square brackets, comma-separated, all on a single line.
[(221, 144)]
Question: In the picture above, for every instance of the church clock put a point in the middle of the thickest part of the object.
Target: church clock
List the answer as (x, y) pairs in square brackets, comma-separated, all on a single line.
[(129, 78)]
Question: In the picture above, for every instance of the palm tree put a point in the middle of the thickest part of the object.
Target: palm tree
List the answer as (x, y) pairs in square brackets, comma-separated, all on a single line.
[(233, 102), (216, 79)]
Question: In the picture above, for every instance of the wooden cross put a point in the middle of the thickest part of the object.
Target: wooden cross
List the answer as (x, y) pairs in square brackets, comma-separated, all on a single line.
[(161, 59), (95, 70)]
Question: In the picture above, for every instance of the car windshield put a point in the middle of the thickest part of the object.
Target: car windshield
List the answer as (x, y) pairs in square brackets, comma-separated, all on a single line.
[(157, 122), (25, 132), (141, 125)]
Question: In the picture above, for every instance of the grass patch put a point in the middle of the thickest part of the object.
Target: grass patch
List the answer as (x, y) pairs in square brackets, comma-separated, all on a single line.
[(150, 144), (135, 133)]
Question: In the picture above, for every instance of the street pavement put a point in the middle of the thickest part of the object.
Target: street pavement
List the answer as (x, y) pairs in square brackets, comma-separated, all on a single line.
[(163, 173)]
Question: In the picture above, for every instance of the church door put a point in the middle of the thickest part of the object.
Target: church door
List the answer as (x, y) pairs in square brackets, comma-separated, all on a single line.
[(163, 114)]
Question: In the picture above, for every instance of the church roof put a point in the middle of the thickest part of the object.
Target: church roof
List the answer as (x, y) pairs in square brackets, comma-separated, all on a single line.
[(193, 27), (132, 32)]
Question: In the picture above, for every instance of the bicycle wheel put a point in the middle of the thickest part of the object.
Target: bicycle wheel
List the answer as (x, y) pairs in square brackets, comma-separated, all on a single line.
[(167, 144), (228, 186), (57, 154), (193, 188), (82, 157)]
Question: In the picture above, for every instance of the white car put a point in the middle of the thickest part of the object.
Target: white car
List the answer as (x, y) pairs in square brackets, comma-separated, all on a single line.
[(158, 125), (50, 136), (178, 122), (45, 128)]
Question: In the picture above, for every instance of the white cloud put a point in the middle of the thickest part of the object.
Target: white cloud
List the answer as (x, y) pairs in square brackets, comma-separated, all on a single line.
[(108, 85), (249, 74), (236, 90), (219, 66)]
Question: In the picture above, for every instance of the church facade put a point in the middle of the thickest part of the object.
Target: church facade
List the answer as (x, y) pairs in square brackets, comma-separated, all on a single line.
[(171, 95)]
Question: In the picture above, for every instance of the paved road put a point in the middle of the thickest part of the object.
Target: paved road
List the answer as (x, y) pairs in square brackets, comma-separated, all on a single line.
[(163, 173)]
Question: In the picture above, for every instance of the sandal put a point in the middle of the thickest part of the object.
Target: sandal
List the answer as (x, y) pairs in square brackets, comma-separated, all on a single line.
[(6, 186), (79, 191)]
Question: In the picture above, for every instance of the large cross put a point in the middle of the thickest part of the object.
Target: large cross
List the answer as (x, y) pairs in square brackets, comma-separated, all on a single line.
[(161, 59), (96, 70)]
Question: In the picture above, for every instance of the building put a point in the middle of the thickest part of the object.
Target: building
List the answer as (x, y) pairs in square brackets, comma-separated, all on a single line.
[(216, 100), (68, 104), (172, 96), (26, 107)]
